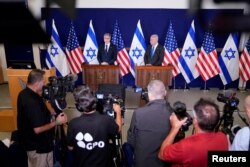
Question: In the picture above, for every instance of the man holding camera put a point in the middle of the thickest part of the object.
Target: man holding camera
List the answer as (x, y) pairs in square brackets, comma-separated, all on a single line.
[(34, 122), (149, 126), (193, 151), (241, 140), (88, 135)]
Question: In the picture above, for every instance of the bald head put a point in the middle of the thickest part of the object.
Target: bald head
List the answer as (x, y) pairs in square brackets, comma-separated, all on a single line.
[(156, 90), (247, 105)]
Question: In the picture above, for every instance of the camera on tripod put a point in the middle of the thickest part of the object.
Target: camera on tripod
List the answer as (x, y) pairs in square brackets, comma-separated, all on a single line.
[(105, 104), (55, 91), (226, 121), (230, 101)]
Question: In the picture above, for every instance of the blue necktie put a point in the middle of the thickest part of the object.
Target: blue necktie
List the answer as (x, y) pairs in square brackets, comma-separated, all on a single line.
[(106, 48), (152, 51)]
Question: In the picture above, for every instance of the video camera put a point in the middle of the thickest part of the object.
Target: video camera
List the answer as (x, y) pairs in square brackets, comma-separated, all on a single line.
[(144, 93), (230, 100), (105, 104), (55, 91)]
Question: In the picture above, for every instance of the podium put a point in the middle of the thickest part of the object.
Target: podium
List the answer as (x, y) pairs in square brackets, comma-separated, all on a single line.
[(17, 81), (93, 75), (144, 74)]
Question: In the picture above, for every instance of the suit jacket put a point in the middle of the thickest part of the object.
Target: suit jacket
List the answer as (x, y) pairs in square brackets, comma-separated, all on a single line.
[(148, 128), (157, 58), (109, 57)]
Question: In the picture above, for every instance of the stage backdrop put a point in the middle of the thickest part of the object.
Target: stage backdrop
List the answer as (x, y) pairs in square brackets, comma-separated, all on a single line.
[(153, 21)]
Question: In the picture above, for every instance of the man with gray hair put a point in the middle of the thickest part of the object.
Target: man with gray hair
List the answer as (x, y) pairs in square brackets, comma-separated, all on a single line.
[(149, 126), (154, 54)]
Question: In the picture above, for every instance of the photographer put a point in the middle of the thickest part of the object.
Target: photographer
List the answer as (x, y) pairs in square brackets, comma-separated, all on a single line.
[(88, 135), (149, 126), (193, 151), (34, 122), (241, 141)]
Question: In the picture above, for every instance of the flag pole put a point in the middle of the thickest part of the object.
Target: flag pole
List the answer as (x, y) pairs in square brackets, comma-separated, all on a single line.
[(205, 87), (224, 89), (242, 87), (174, 85), (185, 87)]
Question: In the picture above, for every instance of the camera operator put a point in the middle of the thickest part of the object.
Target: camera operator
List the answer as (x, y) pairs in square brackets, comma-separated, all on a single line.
[(241, 140), (149, 126), (193, 151), (34, 122), (88, 135)]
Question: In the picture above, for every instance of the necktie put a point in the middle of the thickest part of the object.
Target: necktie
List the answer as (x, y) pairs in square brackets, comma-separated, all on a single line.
[(152, 51), (106, 48)]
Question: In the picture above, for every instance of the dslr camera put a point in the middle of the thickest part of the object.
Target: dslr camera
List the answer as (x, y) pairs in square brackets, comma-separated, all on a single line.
[(55, 91), (180, 111), (105, 104)]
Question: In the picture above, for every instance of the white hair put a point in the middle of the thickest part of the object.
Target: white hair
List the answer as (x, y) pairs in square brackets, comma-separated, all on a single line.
[(157, 89)]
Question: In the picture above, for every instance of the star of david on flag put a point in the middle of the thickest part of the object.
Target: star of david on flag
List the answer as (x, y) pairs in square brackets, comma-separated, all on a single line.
[(91, 47), (137, 48), (188, 58), (55, 56), (229, 60)]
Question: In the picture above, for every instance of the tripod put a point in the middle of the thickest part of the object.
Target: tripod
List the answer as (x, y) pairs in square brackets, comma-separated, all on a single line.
[(117, 154), (226, 121)]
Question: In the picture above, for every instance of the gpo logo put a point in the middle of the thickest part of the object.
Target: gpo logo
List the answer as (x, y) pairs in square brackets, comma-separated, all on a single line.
[(86, 141)]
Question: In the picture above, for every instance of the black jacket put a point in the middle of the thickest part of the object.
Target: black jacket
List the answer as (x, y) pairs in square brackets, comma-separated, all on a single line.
[(149, 127), (109, 57), (157, 58)]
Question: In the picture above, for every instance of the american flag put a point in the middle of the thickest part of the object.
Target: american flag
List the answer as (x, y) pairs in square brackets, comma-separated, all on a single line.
[(245, 62), (122, 56), (74, 52), (207, 62), (172, 52)]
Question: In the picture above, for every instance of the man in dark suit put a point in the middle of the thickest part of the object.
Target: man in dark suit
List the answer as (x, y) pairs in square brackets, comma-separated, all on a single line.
[(107, 52), (154, 54)]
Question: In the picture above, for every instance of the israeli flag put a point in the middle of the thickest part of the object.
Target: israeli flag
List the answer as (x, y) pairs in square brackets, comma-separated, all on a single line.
[(189, 55), (91, 46), (55, 56), (137, 49), (229, 60)]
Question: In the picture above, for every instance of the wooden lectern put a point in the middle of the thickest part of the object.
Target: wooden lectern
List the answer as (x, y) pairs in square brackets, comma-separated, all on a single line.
[(17, 80), (93, 75), (144, 74)]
